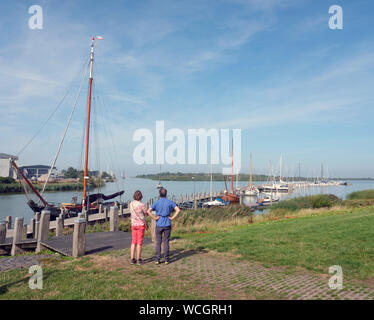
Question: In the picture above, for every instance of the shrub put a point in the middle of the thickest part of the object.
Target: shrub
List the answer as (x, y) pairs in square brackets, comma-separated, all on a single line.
[(7, 180), (364, 194), (307, 202)]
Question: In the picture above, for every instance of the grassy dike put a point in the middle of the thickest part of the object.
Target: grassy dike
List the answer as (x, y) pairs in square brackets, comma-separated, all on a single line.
[(302, 240)]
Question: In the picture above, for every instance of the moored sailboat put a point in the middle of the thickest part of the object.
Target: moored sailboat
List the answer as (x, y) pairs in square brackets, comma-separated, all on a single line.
[(90, 202)]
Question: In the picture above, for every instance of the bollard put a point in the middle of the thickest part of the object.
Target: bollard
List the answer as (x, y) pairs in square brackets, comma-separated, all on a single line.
[(59, 226), (106, 213), (121, 209), (3, 229), (84, 214), (100, 208), (153, 231), (24, 232), (63, 219), (37, 228), (195, 204), (43, 229), (113, 219), (32, 227), (79, 237), (17, 236), (9, 222)]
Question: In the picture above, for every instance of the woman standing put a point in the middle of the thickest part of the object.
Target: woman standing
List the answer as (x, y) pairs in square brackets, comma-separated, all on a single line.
[(138, 226)]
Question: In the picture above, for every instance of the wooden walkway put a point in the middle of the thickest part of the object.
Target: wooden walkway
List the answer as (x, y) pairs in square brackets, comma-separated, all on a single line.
[(183, 202), (95, 242)]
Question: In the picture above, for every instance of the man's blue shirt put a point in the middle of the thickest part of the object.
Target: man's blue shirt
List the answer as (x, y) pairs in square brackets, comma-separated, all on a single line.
[(163, 207)]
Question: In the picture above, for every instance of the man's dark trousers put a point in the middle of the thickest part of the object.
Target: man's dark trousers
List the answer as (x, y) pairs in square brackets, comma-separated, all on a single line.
[(159, 231)]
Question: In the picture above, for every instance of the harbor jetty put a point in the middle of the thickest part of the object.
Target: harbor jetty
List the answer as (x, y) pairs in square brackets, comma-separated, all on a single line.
[(18, 236)]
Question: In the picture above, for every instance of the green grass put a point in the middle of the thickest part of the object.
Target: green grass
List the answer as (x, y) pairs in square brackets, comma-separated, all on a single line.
[(342, 237), (17, 187), (358, 195), (307, 202), (81, 279)]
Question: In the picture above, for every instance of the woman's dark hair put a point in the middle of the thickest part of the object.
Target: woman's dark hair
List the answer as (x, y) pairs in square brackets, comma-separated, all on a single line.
[(138, 195), (163, 192)]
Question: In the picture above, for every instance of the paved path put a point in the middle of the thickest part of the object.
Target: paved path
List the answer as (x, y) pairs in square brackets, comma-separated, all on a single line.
[(246, 278), (95, 242), (225, 277), (21, 261)]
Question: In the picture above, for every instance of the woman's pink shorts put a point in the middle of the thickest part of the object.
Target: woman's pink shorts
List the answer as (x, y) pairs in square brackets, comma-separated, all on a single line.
[(137, 235)]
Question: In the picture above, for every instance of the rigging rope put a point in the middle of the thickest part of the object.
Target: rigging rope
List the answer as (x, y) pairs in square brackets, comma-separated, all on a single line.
[(107, 130), (50, 116), (64, 135)]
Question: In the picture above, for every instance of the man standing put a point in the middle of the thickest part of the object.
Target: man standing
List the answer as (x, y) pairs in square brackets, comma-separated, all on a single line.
[(163, 207)]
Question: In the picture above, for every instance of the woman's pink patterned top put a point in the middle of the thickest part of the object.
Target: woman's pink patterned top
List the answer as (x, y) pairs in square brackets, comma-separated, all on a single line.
[(138, 213)]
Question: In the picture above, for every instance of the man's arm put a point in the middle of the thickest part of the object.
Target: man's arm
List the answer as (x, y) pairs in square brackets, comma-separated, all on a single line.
[(154, 217), (177, 210)]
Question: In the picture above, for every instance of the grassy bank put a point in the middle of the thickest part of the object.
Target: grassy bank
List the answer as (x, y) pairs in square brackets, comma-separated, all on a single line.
[(360, 195), (17, 188), (307, 240)]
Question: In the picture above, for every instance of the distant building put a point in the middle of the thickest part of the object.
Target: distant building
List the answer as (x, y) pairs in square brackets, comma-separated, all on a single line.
[(6, 169), (35, 172)]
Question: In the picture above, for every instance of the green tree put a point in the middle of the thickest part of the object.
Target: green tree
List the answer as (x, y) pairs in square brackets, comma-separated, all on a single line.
[(71, 173)]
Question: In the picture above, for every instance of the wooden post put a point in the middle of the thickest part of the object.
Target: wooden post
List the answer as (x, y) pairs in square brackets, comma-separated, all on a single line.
[(106, 213), (32, 227), (195, 202), (24, 232), (3, 228), (9, 222), (37, 216), (63, 220), (100, 208), (121, 209), (43, 229), (153, 231), (113, 219), (79, 237), (37, 228), (59, 226), (17, 236)]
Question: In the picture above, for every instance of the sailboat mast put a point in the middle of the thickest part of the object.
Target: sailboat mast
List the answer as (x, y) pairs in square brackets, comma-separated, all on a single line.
[(250, 178), (88, 121), (211, 177), (232, 167)]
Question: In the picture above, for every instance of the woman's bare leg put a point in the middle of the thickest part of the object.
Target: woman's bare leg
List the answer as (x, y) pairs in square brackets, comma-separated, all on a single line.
[(133, 251), (139, 251)]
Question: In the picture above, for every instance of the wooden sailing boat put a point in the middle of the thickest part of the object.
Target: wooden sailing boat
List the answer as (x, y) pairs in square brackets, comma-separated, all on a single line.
[(90, 203), (231, 196), (252, 190)]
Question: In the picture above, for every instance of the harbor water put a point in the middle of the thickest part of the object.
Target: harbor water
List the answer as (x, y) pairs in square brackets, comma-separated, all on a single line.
[(15, 204)]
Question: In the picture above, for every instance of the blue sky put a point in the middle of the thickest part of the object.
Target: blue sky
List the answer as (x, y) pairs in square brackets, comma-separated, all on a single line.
[(270, 67)]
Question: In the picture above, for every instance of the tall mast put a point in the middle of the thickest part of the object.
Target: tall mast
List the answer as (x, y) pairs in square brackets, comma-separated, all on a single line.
[(232, 167), (280, 170), (250, 178), (85, 178), (211, 177)]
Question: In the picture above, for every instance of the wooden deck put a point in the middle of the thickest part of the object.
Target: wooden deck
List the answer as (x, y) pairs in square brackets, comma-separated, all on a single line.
[(28, 245), (100, 217), (95, 242), (92, 219)]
